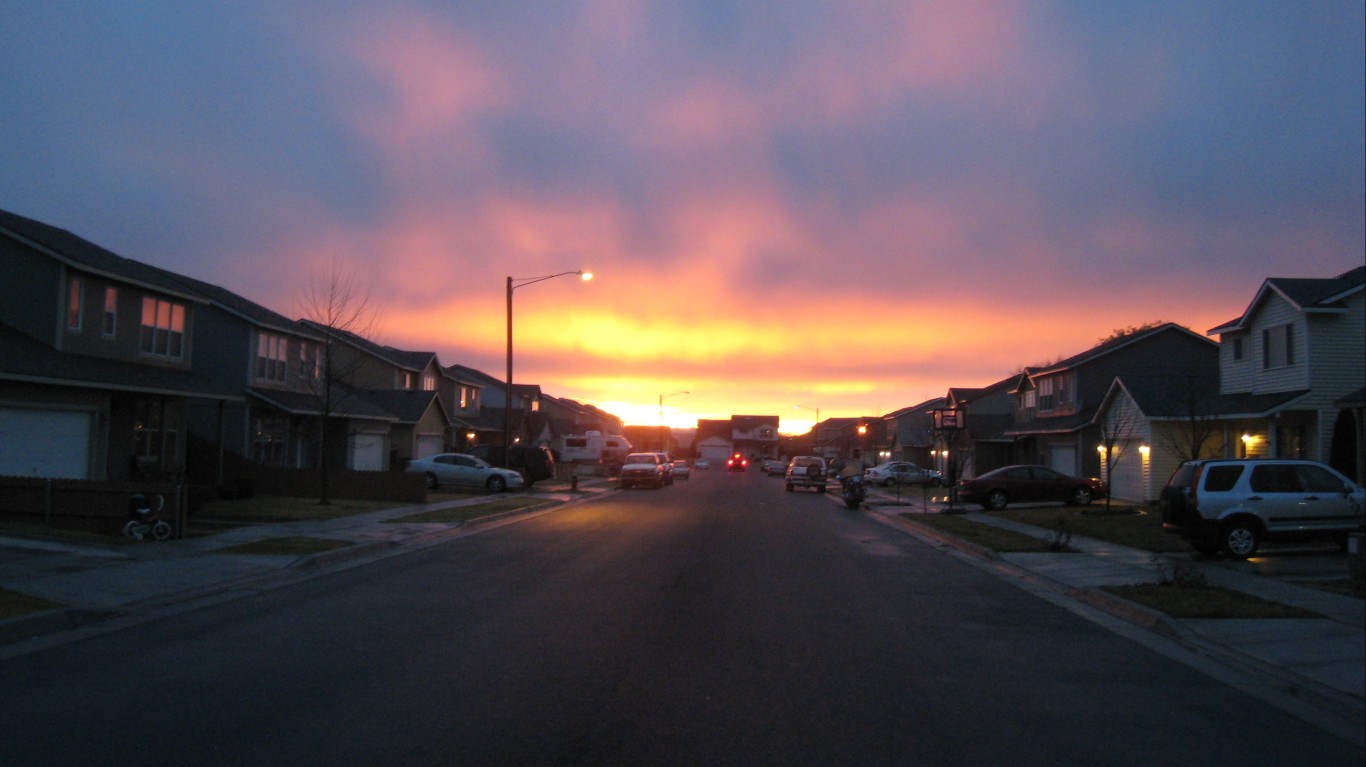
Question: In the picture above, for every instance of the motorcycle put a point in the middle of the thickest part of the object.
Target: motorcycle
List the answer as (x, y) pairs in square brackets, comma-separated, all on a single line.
[(143, 520), (855, 490)]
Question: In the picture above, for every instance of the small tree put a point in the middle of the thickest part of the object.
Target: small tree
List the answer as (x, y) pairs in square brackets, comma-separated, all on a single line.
[(1191, 401), (1119, 430), (336, 305)]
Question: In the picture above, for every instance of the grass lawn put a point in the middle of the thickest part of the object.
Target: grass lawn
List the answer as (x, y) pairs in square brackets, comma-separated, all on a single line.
[(987, 536), (1205, 602), (269, 508), (474, 511), (293, 545), (13, 604), (1133, 526)]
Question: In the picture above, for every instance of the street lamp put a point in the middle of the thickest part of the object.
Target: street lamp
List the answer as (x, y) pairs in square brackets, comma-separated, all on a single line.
[(814, 425), (662, 446), (512, 284)]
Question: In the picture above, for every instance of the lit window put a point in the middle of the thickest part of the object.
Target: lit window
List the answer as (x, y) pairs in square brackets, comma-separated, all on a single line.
[(163, 328), (111, 312), (75, 304), (271, 357), (428, 382)]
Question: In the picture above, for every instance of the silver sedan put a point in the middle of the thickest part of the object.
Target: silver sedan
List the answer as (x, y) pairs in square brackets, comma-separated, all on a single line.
[(462, 470)]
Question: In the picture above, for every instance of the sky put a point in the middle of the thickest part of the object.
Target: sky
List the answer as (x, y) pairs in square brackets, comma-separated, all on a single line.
[(788, 207)]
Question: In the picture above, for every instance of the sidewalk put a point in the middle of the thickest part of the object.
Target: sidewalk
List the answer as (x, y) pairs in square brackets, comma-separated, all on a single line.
[(1323, 659), (1317, 663), (93, 583)]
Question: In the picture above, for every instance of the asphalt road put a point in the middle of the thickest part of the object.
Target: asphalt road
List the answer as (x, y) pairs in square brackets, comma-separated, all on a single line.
[(718, 621)]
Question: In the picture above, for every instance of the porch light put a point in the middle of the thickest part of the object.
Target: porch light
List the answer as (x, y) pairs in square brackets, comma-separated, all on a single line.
[(1143, 450)]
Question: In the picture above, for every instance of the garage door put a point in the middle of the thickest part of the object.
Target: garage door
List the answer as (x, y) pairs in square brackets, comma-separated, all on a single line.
[(44, 443), (367, 452), (1063, 459)]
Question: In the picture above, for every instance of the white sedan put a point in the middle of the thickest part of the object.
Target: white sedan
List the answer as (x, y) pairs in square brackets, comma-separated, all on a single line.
[(464, 471)]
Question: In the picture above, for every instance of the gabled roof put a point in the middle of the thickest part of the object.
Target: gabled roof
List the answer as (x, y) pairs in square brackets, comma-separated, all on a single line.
[(399, 358), (250, 311), (1113, 345), (1306, 295), (1166, 398), (752, 422), (25, 359), (407, 405), (84, 255), (923, 408), (350, 404), (470, 375)]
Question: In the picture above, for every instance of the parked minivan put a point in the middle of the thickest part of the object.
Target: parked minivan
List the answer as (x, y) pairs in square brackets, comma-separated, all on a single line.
[(1233, 505)]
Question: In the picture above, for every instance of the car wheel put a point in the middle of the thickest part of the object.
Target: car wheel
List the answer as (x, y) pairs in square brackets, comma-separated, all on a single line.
[(625, 485), (1240, 539), (432, 484), (820, 488), (1081, 496), (888, 482), (996, 500), (496, 484)]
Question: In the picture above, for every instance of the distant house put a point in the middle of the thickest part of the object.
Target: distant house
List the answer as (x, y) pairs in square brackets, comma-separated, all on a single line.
[(713, 440), (100, 359), (1055, 405), (911, 432), (980, 442), (1148, 424), (1291, 369)]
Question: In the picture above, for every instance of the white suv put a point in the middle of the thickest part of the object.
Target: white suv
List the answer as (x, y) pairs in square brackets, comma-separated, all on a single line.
[(806, 471), (1233, 505), (645, 469)]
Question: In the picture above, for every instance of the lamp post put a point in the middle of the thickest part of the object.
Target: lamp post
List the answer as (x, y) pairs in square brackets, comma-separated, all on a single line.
[(662, 446), (814, 425), (512, 284)]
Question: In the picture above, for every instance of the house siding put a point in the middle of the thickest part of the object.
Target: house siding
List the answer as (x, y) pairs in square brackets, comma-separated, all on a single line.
[(1337, 342), (1275, 313), (1237, 375)]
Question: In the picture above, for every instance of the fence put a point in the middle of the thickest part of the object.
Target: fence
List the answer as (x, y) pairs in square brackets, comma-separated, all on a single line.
[(86, 505)]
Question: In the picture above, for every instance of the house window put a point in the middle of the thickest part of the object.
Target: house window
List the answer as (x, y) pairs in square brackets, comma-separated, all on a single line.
[(1045, 394), (75, 304), (1278, 346), (407, 381), (111, 312), (464, 397), (271, 357), (1239, 353), (163, 328), (1031, 399), (428, 382)]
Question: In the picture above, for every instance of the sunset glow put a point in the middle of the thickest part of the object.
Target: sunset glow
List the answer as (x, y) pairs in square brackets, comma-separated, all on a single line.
[(847, 206)]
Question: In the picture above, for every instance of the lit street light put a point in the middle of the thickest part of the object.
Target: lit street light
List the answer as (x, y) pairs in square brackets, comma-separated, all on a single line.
[(512, 284)]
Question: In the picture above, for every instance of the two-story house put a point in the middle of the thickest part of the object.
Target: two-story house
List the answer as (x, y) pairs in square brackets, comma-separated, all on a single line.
[(976, 441), (98, 360), (1291, 369), (911, 431), (1055, 405)]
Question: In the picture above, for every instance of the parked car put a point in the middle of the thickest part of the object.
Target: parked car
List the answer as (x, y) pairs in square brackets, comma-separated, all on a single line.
[(462, 470), (1027, 484), (701, 463), (774, 467), (891, 473), (737, 462), (1232, 505), (644, 469), (680, 469), (806, 471), (533, 463)]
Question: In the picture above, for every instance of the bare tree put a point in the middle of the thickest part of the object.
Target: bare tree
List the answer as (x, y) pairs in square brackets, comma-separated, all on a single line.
[(1120, 433), (338, 307), (1191, 401)]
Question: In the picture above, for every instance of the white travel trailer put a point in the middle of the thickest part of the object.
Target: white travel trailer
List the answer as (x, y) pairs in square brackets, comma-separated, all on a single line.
[(594, 447)]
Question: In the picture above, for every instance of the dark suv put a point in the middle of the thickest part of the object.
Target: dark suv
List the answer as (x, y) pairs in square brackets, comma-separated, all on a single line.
[(533, 463), (1233, 505)]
